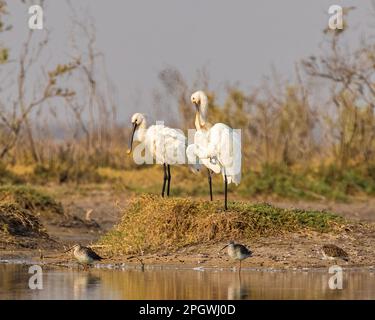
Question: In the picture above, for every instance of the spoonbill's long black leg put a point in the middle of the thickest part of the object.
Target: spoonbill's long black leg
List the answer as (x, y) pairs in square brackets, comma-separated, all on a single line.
[(225, 192), (165, 179), (169, 178), (210, 183)]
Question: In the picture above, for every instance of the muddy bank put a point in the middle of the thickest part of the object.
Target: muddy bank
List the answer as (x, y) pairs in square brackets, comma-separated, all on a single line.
[(300, 251), (293, 251), (31, 218)]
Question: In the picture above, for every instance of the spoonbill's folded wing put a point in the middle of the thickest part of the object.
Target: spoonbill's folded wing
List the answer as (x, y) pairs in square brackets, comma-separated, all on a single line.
[(167, 145)]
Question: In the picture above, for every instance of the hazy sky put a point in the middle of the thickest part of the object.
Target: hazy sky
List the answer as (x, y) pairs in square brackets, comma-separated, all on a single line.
[(237, 40)]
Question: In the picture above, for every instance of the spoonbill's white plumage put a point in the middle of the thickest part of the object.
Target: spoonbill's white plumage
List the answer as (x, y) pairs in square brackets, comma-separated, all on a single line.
[(165, 145), (217, 147)]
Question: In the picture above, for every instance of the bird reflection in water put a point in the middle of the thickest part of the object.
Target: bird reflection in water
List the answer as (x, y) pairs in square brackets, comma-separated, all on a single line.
[(238, 290), (84, 283)]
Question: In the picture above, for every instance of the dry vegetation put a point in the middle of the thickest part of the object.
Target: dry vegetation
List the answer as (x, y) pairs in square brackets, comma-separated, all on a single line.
[(324, 183), (311, 137)]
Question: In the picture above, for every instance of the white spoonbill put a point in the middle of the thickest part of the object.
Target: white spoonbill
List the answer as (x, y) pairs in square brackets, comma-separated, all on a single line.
[(217, 147), (165, 145)]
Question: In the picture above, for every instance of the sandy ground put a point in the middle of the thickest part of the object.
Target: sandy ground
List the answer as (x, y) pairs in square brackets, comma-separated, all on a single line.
[(288, 251)]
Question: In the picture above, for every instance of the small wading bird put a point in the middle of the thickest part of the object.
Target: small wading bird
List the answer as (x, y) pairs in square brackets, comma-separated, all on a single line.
[(217, 147), (333, 252), (85, 256), (237, 251), (166, 145)]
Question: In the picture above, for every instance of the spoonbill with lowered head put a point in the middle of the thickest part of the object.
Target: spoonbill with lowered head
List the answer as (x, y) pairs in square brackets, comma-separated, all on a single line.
[(165, 145), (217, 147)]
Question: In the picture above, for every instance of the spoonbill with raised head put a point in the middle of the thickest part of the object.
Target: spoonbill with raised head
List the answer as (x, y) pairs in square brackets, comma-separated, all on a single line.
[(217, 147)]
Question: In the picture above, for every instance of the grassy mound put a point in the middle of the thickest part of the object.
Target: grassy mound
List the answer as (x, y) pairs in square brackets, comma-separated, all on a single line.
[(151, 223), (30, 199)]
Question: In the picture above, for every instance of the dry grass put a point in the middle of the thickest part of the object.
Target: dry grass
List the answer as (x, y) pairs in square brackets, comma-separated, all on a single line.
[(22, 170), (280, 181), (151, 223), (149, 179), (277, 181), (146, 178)]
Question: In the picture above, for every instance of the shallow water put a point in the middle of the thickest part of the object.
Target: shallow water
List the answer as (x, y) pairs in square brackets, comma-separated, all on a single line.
[(172, 283)]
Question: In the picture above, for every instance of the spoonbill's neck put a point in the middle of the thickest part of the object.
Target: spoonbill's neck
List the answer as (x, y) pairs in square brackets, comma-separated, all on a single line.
[(200, 122), (201, 115), (141, 130)]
